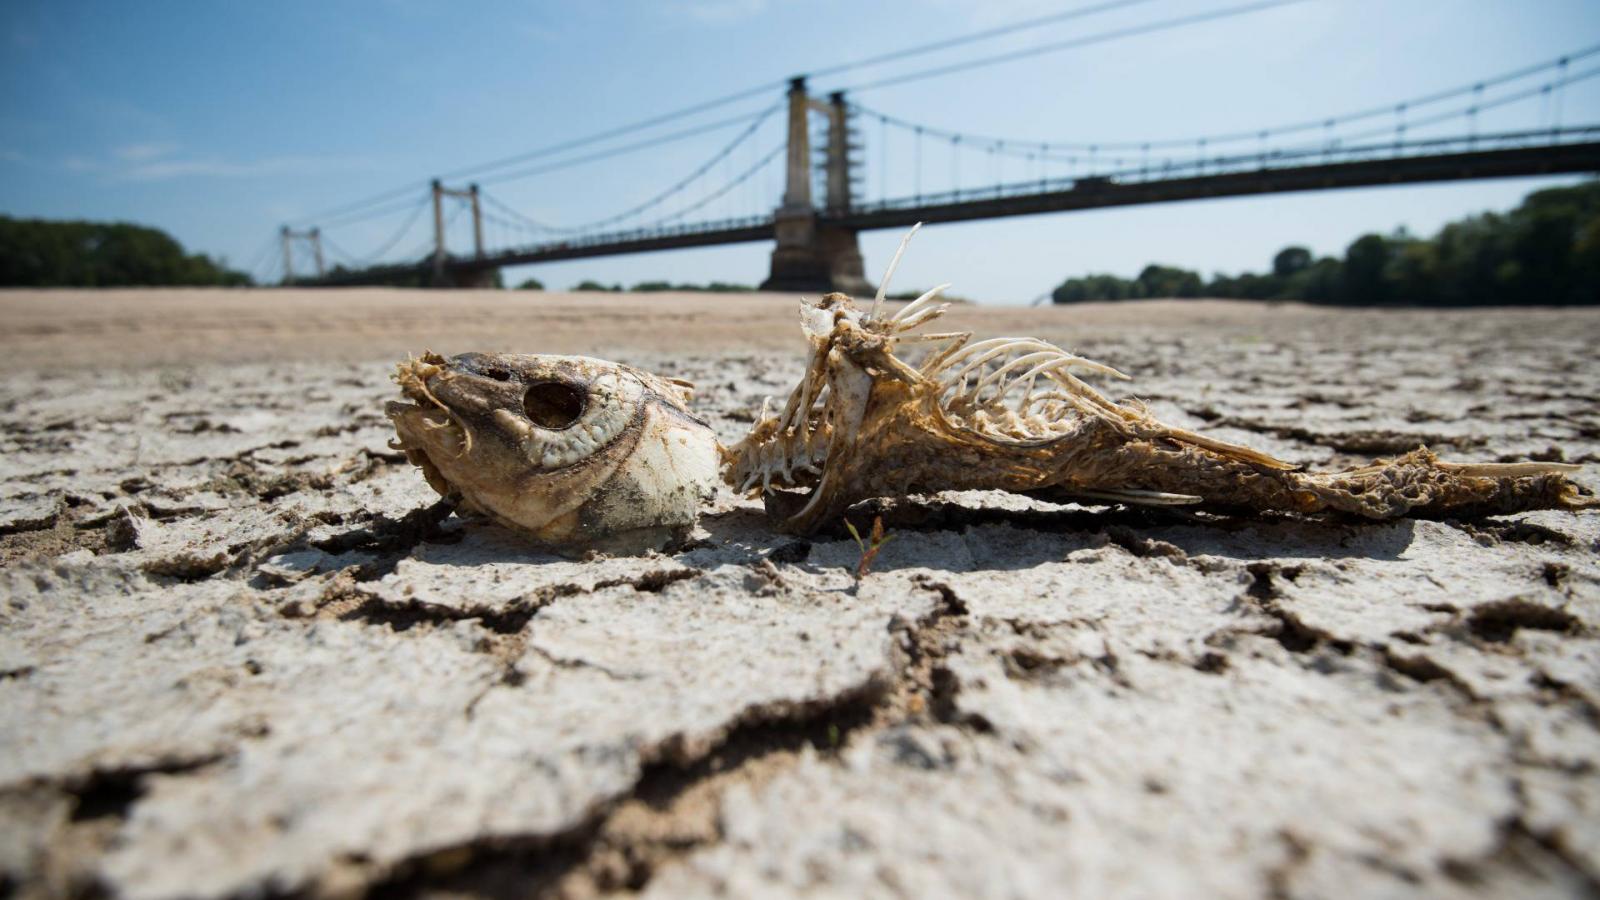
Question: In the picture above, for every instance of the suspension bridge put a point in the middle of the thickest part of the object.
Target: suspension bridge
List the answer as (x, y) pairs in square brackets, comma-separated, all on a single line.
[(820, 166)]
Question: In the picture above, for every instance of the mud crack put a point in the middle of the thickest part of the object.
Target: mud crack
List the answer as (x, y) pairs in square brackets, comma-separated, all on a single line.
[(924, 685), (1500, 620), (672, 809), (59, 531), (509, 618), (393, 539), (346, 599), (1491, 533), (111, 792), (1520, 851), (1290, 630), (1424, 670)]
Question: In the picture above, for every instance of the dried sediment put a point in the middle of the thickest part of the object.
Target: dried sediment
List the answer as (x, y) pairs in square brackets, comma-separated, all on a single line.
[(253, 657)]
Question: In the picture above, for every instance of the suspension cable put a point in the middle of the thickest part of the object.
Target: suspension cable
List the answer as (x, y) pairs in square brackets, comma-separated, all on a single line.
[(624, 149), (1259, 134), (676, 187), (717, 102), (524, 222), (999, 31), (1073, 44), (741, 178), (378, 213), (386, 246), (262, 255), (1475, 108)]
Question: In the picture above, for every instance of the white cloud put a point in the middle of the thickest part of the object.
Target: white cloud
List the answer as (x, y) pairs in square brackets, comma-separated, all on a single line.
[(143, 152), (160, 162), (159, 170)]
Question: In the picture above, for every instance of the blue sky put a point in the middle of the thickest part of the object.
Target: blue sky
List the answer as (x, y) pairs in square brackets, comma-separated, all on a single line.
[(218, 121)]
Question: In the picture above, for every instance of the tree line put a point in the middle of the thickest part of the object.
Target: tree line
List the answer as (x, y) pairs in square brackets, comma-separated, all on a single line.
[(1546, 251), (714, 287), (651, 287), (42, 253)]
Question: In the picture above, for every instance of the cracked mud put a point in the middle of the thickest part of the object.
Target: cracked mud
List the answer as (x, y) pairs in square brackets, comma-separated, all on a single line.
[(244, 651)]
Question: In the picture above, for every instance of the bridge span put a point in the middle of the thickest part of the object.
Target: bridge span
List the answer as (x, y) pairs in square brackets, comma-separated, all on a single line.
[(815, 240), (1236, 178)]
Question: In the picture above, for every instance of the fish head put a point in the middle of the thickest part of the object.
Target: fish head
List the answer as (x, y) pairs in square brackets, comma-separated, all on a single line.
[(567, 448)]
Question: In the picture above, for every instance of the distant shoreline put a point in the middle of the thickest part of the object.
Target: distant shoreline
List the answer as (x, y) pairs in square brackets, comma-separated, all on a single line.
[(138, 327)]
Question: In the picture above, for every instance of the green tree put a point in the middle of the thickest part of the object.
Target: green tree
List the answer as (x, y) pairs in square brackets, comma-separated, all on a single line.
[(729, 287), (1221, 285), (1586, 263), (1251, 286), (1291, 261), (1545, 245), (1365, 261), (41, 253), (1411, 274), (1318, 284), (1168, 281), (531, 284), (1547, 250), (1096, 287)]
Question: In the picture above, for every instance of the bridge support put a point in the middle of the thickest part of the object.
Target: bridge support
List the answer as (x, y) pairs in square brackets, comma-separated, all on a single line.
[(812, 254), (288, 254), (443, 276), (313, 237)]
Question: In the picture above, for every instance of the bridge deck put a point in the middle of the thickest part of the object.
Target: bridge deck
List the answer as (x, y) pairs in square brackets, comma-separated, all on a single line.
[(1095, 194)]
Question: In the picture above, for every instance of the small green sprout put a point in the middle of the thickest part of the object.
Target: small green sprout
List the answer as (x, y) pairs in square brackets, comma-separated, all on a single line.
[(869, 547)]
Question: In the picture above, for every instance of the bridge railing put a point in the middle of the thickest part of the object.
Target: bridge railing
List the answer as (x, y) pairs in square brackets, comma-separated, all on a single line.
[(1281, 158)]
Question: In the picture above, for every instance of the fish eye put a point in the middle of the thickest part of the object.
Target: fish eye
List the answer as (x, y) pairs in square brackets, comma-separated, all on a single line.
[(554, 404), (498, 374)]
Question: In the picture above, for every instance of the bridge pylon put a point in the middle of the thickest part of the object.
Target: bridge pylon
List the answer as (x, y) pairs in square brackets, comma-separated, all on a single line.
[(813, 254), (446, 276), (312, 236)]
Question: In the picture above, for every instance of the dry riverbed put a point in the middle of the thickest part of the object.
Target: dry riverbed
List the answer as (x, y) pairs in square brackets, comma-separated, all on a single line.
[(239, 656)]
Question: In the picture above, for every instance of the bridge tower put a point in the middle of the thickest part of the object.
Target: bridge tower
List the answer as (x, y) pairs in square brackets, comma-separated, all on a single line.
[(443, 275), (813, 254), (312, 236)]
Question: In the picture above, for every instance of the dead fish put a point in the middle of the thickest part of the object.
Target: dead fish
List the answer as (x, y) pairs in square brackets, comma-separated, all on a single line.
[(576, 452), (1016, 414)]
